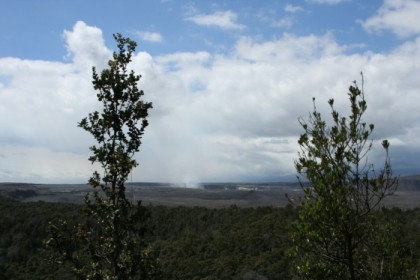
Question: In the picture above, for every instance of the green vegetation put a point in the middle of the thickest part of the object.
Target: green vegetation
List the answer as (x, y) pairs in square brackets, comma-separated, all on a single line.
[(338, 234), (109, 243), (190, 242)]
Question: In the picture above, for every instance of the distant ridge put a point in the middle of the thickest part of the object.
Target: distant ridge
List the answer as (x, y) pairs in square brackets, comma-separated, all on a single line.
[(406, 183), (409, 183), (213, 195)]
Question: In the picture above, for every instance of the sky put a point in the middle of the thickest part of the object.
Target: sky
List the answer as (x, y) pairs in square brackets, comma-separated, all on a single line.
[(229, 81)]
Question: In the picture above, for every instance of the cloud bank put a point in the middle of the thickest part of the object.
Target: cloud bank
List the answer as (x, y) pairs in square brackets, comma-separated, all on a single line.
[(216, 117)]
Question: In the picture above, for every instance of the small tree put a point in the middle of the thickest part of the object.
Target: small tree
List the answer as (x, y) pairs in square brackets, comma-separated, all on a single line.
[(337, 235), (110, 245)]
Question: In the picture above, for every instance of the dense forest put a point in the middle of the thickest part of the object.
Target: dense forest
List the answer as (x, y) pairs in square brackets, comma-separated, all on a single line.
[(188, 242)]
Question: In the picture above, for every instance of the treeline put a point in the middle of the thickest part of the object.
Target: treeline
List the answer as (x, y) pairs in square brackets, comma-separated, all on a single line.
[(188, 242)]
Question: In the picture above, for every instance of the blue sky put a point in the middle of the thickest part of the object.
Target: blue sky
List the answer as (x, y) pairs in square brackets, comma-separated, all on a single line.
[(40, 24), (228, 80)]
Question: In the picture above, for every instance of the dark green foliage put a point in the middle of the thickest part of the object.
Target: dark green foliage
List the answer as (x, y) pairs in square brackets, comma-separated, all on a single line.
[(339, 234), (191, 243), (22, 234), (228, 243), (110, 244)]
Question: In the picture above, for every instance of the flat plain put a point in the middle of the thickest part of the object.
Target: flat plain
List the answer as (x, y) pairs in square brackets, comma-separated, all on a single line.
[(213, 195)]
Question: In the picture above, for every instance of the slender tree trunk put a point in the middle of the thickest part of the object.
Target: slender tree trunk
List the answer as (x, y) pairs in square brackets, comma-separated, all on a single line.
[(349, 242)]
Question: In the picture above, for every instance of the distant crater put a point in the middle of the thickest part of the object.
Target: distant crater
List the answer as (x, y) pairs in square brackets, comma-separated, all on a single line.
[(409, 183), (18, 191), (22, 194)]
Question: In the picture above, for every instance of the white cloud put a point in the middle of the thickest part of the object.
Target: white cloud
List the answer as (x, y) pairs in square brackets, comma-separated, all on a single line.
[(400, 17), (284, 22), (330, 2), (239, 123), (86, 46), (222, 19), (254, 96), (290, 8), (150, 36), (41, 105), (41, 164), (287, 21)]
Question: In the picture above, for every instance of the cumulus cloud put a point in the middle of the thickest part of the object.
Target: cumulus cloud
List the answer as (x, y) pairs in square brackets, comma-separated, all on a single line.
[(150, 36), (400, 17), (216, 117), (223, 19), (42, 103), (244, 120), (85, 45)]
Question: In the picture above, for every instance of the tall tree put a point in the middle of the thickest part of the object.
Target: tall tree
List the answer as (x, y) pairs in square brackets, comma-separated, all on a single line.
[(112, 235), (337, 235)]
